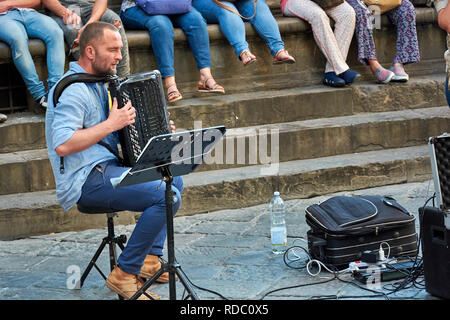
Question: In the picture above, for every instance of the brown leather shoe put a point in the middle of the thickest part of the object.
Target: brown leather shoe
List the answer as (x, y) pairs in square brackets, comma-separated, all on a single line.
[(151, 265), (126, 285)]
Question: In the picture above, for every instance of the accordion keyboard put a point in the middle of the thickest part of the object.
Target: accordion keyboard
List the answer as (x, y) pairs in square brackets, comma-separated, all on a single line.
[(147, 97)]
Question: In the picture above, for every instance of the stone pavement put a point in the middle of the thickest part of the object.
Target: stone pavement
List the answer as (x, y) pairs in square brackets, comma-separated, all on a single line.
[(227, 252)]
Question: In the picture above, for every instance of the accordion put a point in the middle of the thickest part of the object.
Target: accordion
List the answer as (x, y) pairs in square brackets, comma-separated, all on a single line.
[(145, 91)]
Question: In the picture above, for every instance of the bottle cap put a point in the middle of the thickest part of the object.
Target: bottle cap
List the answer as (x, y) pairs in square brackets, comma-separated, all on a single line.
[(276, 193)]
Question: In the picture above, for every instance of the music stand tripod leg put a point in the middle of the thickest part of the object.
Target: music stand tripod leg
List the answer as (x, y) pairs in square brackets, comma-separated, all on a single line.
[(171, 266), (186, 283)]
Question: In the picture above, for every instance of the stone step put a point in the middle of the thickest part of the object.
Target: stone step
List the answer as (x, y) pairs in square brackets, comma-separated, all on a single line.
[(25, 171), (236, 188), (22, 131), (31, 171), (25, 131), (32, 213), (304, 103)]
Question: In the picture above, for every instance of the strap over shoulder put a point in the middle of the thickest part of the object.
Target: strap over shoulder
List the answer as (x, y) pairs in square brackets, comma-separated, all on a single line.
[(220, 4)]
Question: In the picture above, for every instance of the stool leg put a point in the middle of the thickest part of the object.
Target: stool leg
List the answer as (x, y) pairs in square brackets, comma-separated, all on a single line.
[(112, 255), (112, 244), (112, 241), (93, 260)]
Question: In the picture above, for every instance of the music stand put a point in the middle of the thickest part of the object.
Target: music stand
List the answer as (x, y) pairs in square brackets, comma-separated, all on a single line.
[(164, 157)]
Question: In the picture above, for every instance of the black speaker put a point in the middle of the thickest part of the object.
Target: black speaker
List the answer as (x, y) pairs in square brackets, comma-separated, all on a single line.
[(435, 239)]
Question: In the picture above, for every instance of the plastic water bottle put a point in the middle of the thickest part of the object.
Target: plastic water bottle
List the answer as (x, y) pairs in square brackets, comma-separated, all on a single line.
[(278, 233)]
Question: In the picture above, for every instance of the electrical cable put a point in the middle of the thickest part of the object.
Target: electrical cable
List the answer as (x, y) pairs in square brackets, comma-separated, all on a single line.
[(203, 289), (415, 276), (293, 259)]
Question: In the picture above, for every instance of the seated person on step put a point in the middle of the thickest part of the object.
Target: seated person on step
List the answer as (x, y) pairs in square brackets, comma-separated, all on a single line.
[(407, 46), (443, 11), (229, 17), (73, 16), (334, 45), (160, 28), (19, 22), (82, 117)]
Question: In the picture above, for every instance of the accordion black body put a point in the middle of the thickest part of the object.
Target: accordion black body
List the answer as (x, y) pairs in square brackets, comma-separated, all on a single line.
[(145, 91)]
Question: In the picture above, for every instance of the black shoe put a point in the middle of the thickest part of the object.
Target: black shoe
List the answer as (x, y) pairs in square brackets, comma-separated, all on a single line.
[(349, 76), (332, 80), (40, 105)]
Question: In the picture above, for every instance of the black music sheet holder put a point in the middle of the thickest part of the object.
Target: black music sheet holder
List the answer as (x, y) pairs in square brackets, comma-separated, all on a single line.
[(164, 157)]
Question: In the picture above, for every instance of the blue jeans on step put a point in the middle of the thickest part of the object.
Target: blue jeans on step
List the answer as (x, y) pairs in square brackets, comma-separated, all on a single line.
[(150, 231), (161, 32), (233, 28), (15, 29)]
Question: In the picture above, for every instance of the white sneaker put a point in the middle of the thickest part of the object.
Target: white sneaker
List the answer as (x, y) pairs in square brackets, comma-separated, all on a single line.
[(40, 105)]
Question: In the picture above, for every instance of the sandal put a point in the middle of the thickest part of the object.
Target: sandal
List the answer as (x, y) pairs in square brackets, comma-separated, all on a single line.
[(247, 57), (215, 88), (173, 95), (286, 59)]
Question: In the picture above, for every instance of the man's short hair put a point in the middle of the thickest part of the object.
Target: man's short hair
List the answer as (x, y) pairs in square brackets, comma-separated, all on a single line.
[(93, 32)]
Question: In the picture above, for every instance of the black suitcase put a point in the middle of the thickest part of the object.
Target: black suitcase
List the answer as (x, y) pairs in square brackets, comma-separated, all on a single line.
[(342, 228)]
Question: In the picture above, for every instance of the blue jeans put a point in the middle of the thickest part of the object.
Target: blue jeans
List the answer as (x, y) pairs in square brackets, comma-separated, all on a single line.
[(233, 28), (161, 32), (150, 231), (15, 28)]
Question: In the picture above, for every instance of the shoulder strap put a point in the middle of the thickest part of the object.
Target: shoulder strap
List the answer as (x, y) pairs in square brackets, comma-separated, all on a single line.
[(73, 78), (220, 4), (67, 81)]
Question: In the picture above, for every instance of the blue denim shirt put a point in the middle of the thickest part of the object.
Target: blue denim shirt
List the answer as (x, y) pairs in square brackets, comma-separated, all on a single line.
[(81, 105)]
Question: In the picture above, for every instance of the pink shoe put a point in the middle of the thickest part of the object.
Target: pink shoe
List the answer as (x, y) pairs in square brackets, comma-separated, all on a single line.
[(399, 73), (383, 75)]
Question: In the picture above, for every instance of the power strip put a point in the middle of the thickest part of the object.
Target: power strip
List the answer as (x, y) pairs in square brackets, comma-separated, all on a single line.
[(361, 265), (385, 271)]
